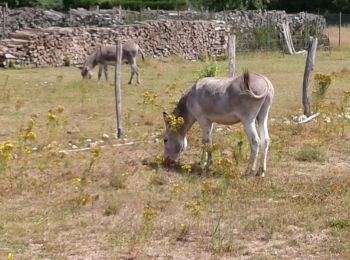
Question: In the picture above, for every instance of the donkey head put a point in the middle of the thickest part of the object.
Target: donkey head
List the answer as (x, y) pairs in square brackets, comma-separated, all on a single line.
[(86, 73), (174, 141)]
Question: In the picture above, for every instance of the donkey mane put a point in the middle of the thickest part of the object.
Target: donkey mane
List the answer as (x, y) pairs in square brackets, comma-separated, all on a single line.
[(181, 107)]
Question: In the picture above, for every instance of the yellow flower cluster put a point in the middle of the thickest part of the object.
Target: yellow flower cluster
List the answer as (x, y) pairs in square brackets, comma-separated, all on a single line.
[(149, 98), (323, 79), (222, 161), (76, 182), (32, 121), (208, 148), (177, 188), (239, 133), (51, 117), (149, 212), (175, 122), (83, 199), (159, 159), (6, 150), (95, 152), (10, 256), (29, 136), (186, 168), (194, 206)]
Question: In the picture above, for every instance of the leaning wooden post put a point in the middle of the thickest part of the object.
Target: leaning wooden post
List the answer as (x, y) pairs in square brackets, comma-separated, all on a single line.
[(117, 88), (309, 67), (231, 50)]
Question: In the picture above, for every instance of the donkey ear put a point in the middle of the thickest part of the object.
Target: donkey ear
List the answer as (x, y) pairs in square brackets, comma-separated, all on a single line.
[(166, 117)]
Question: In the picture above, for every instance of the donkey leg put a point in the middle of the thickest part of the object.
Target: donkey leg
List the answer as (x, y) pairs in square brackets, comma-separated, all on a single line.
[(105, 69), (265, 141), (100, 67), (136, 71), (206, 127), (254, 142), (132, 75)]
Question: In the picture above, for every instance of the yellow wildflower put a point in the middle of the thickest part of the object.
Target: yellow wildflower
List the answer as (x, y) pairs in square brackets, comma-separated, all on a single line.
[(159, 159), (10, 256), (51, 116), (187, 168), (30, 136), (149, 98), (95, 152), (76, 181), (8, 146), (175, 122), (84, 199), (27, 150), (149, 212), (177, 188)]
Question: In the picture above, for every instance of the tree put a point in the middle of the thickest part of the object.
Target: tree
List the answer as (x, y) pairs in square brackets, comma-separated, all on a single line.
[(219, 5), (342, 5)]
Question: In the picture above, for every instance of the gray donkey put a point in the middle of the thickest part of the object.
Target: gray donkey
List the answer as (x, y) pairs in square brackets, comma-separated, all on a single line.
[(245, 99), (106, 55)]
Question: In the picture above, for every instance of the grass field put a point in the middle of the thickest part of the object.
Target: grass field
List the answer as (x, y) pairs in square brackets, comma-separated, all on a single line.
[(118, 202)]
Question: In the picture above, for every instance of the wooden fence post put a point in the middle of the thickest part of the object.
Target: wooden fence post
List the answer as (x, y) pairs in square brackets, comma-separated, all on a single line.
[(4, 10), (231, 50), (339, 39), (309, 67), (117, 88)]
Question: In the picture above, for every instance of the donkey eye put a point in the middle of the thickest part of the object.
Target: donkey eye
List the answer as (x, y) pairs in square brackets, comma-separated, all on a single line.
[(165, 140)]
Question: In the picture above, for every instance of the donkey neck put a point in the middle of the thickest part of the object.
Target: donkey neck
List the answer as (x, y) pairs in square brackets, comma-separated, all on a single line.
[(182, 111), (91, 61)]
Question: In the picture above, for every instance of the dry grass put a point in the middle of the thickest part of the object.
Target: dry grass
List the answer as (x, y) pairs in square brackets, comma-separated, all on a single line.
[(333, 34), (119, 203)]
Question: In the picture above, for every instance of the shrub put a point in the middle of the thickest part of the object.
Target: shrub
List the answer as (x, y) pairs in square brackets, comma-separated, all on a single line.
[(66, 61), (321, 85), (339, 223), (209, 69), (310, 153)]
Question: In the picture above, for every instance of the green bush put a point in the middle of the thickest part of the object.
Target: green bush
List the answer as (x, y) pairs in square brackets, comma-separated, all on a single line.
[(311, 153), (209, 69), (66, 61)]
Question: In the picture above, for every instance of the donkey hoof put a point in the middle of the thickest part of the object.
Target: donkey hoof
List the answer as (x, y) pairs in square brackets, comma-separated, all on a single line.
[(260, 172), (129, 82)]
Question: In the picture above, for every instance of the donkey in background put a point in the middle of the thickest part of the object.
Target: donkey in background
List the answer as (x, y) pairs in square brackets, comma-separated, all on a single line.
[(228, 101), (106, 55)]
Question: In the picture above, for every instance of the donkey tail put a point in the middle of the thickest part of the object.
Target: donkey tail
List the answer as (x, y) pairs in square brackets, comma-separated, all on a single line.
[(246, 87)]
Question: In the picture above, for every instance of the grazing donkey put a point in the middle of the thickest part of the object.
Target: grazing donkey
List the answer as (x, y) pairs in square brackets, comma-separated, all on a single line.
[(246, 98), (106, 55)]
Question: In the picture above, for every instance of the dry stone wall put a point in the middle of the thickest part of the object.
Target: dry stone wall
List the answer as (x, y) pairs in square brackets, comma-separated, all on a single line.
[(51, 46), (243, 23), (45, 38)]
